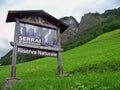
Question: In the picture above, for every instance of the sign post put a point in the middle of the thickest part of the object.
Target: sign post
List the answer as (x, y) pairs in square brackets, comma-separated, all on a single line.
[(13, 68), (60, 72)]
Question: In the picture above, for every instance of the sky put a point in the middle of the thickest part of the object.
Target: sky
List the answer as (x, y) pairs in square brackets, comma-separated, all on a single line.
[(57, 8)]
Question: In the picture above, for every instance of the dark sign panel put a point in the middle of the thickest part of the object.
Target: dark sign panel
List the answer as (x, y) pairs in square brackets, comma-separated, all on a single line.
[(37, 52), (36, 35)]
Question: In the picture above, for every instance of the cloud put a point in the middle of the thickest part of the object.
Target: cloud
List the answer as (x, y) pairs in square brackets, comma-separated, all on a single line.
[(96, 6), (60, 8), (9, 3), (2, 2), (86, 6), (6, 29), (4, 46), (118, 1)]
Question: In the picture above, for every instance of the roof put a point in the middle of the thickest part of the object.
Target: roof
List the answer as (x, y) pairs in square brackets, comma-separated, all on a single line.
[(12, 15)]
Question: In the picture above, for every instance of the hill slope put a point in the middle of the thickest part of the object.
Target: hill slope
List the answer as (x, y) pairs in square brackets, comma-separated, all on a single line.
[(92, 66)]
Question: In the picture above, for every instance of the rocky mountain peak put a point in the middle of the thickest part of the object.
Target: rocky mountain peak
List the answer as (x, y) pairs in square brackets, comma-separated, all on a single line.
[(89, 20), (71, 31), (69, 20)]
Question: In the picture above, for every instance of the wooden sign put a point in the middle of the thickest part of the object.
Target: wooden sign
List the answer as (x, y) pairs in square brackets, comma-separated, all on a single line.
[(36, 33)]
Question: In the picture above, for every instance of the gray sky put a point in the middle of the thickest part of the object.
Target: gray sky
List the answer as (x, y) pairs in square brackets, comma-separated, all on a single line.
[(57, 8)]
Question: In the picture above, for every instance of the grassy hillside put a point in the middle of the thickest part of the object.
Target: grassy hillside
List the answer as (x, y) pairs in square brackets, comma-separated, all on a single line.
[(92, 66)]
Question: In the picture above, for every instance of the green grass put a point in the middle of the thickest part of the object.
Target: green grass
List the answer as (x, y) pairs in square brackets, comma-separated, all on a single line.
[(92, 66)]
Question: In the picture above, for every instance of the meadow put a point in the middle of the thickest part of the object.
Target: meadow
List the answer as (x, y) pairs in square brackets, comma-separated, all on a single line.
[(92, 66)]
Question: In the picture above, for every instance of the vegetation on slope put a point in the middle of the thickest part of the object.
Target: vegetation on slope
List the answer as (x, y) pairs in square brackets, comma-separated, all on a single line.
[(93, 25), (111, 24), (7, 59), (92, 66)]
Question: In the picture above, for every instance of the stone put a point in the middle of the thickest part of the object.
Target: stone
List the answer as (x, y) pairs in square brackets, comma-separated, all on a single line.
[(8, 83)]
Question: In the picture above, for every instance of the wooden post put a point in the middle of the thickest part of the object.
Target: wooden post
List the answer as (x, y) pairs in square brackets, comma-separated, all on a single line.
[(59, 59), (60, 72), (13, 68)]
